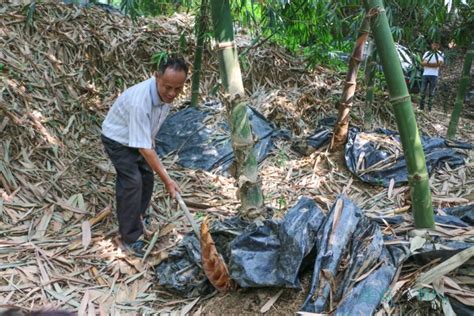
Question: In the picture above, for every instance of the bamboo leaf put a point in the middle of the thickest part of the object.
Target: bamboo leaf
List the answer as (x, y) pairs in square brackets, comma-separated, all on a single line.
[(265, 308), (43, 225), (86, 234), (416, 243), (188, 307), (84, 303), (444, 268)]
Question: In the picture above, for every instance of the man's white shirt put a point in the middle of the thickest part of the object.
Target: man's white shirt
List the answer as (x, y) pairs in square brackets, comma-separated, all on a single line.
[(136, 116), (432, 57)]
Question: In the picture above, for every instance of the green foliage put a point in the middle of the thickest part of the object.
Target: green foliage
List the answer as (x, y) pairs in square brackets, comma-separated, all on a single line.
[(136, 8), (418, 22), (30, 12), (130, 7), (281, 202), (244, 62), (319, 28), (157, 58), (199, 216), (281, 158), (316, 29), (183, 45)]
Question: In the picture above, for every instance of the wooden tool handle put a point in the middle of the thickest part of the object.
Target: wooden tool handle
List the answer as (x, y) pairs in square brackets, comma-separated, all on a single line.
[(188, 215)]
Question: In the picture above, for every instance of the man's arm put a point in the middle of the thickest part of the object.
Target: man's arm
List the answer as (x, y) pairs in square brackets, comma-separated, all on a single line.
[(427, 64), (426, 58), (154, 162)]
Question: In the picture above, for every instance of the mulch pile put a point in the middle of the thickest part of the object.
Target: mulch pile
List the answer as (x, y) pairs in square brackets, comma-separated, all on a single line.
[(58, 232)]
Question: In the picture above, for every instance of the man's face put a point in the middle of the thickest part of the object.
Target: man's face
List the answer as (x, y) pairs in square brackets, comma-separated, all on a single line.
[(434, 46), (170, 84)]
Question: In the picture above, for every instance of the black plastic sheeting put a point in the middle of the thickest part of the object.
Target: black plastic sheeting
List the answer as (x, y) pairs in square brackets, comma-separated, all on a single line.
[(307, 145), (364, 151), (438, 151), (200, 146), (462, 217), (464, 213), (182, 272), (347, 230), (364, 298), (273, 253), (268, 253)]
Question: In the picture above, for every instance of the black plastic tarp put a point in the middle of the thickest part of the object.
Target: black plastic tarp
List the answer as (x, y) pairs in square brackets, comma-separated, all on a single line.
[(182, 272), (271, 254), (353, 264), (384, 155), (201, 145), (464, 213), (377, 157), (346, 231), (366, 296), (268, 253)]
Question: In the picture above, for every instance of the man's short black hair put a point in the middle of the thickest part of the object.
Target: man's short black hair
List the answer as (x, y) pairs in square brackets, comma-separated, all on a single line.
[(174, 62)]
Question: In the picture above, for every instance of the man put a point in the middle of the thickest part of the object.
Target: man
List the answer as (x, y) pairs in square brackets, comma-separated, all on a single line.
[(431, 62), (128, 134)]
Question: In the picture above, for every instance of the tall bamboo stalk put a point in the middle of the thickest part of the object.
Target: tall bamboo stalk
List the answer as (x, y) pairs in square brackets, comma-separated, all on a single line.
[(401, 102), (245, 167), (342, 124), (227, 52), (200, 25), (463, 84)]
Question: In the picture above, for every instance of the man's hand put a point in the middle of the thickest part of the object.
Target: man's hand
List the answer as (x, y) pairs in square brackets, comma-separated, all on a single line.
[(172, 187), (427, 64), (154, 162)]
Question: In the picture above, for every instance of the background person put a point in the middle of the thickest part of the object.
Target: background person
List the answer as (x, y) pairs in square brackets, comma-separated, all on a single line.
[(431, 62)]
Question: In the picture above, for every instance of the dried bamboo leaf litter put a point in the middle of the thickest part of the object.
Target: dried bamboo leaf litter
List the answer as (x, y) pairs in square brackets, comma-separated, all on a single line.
[(57, 227)]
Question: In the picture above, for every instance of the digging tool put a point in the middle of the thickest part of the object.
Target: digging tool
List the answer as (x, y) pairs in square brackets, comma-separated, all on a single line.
[(188, 215)]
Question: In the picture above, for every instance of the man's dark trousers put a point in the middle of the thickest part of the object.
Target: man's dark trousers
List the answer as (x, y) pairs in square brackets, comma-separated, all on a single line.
[(133, 187), (428, 82)]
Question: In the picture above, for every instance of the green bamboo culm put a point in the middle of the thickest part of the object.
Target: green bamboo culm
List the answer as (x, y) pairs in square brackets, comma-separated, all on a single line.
[(244, 167), (245, 162), (227, 52), (463, 84), (418, 178), (201, 26)]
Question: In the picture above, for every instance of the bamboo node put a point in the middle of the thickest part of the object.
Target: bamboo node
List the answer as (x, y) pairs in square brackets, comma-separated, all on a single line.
[(228, 44), (401, 99), (375, 11), (418, 177)]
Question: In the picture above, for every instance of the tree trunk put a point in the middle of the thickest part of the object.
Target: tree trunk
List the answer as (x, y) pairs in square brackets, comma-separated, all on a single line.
[(244, 167), (463, 84), (200, 25), (342, 124), (404, 115)]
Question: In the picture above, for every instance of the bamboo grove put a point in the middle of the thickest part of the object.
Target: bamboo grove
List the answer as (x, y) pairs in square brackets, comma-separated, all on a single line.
[(323, 26)]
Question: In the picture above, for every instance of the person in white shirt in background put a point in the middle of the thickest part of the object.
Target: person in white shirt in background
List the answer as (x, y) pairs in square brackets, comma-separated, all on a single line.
[(128, 136), (431, 62)]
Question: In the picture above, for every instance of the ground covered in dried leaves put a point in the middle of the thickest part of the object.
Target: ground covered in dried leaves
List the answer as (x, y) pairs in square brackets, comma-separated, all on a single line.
[(58, 231)]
